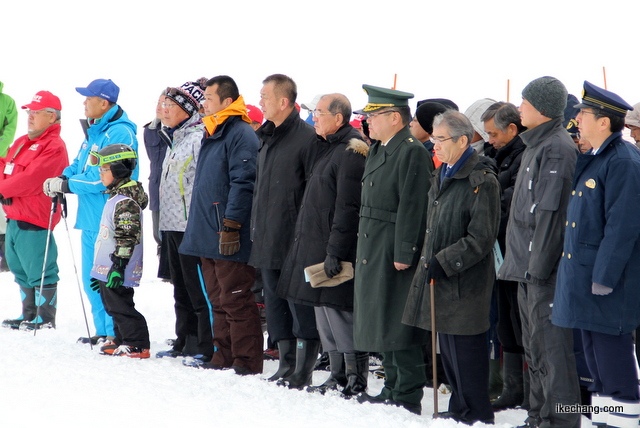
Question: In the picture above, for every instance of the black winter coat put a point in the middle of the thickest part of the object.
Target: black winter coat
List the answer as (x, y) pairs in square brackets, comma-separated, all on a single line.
[(462, 225), (328, 222), (285, 159), (508, 160)]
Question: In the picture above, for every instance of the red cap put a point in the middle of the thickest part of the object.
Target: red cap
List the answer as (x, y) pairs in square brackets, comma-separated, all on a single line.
[(255, 114), (42, 100)]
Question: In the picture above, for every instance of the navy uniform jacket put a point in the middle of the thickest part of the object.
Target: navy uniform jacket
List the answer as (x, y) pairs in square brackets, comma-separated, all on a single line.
[(602, 242)]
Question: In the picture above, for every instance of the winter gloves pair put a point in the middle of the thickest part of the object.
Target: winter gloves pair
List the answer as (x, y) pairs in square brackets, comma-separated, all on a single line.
[(229, 237), (55, 185), (115, 277)]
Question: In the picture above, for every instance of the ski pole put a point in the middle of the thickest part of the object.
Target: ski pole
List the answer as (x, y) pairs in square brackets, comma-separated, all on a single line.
[(54, 205), (63, 203)]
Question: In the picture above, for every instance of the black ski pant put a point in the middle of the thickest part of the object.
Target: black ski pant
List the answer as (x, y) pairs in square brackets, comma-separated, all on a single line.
[(194, 316)]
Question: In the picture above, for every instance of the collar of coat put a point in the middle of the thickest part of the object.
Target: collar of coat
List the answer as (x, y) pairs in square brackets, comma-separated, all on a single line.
[(236, 108), (397, 140), (534, 136), (475, 167)]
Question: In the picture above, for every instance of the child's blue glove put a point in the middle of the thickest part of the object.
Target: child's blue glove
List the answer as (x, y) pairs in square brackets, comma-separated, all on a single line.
[(115, 277)]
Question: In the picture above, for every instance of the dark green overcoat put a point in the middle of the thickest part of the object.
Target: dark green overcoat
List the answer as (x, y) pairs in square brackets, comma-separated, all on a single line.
[(395, 185)]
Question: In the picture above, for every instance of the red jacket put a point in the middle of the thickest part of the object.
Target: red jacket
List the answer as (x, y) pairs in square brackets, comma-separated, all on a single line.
[(33, 162)]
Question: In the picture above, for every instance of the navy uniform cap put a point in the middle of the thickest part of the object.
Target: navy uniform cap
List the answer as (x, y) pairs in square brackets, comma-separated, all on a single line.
[(384, 98), (595, 97)]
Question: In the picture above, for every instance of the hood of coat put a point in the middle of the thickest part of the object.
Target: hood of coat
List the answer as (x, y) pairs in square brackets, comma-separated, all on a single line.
[(133, 190), (358, 146), (534, 136)]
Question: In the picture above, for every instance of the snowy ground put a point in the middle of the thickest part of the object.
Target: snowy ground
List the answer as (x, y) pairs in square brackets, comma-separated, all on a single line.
[(50, 379)]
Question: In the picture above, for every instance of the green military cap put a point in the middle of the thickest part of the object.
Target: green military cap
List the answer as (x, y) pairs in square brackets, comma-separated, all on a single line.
[(384, 98)]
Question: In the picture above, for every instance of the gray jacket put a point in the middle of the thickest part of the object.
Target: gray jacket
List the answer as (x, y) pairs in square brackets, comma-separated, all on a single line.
[(535, 232)]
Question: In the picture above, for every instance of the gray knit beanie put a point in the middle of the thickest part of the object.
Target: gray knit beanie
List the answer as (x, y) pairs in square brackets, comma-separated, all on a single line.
[(548, 95)]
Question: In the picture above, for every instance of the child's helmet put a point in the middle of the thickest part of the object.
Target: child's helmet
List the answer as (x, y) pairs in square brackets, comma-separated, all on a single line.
[(120, 157)]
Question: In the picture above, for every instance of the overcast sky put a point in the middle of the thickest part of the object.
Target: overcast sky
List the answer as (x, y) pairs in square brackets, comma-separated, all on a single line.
[(462, 50)]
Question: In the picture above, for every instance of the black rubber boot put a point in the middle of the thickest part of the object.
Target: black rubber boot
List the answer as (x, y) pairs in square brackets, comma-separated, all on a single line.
[(495, 379), (306, 356), (513, 390), (357, 371), (525, 386), (337, 379), (46, 313), (287, 364)]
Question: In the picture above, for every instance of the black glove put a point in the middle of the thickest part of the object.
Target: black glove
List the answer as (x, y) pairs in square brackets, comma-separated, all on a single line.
[(229, 237), (332, 266), (95, 285), (435, 271), (115, 277), (5, 201)]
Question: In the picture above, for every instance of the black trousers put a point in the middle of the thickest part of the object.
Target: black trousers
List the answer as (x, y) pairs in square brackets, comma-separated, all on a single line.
[(509, 327), (129, 325), (466, 364), (286, 320), (194, 316)]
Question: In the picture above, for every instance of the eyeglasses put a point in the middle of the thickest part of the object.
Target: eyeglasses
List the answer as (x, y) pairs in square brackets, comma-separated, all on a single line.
[(587, 112), (435, 140), (34, 112), (317, 113), (103, 169), (95, 159), (370, 115), (168, 105)]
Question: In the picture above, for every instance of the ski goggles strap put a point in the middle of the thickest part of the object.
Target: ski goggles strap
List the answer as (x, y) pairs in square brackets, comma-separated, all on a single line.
[(95, 159)]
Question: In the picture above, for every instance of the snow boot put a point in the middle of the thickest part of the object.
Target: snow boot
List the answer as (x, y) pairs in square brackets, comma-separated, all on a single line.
[(287, 364), (512, 391), (357, 371), (28, 295), (323, 362), (495, 379), (47, 303), (306, 356), (337, 378)]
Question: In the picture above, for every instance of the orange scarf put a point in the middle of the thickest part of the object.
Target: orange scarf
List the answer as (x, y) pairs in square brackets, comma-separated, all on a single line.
[(236, 108)]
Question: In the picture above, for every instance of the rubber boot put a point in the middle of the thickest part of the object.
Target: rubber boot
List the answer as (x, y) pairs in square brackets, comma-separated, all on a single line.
[(47, 303), (495, 379), (337, 379), (287, 362), (512, 391), (357, 371), (306, 356), (525, 389), (28, 295)]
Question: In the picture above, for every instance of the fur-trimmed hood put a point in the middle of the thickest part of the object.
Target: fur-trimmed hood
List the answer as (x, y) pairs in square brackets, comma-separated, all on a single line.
[(358, 146)]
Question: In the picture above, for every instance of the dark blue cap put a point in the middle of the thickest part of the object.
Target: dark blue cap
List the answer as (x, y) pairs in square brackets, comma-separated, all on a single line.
[(595, 97), (103, 88)]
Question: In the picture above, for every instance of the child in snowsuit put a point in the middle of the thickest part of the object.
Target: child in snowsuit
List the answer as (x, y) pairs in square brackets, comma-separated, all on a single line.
[(117, 265)]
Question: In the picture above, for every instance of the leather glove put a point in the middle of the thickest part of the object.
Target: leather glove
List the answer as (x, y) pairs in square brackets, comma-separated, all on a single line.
[(95, 285), (5, 201), (54, 185), (115, 277), (600, 290), (229, 237), (435, 271), (332, 266)]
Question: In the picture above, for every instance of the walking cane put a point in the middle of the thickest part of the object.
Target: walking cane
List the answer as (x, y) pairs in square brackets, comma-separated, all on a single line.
[(63, 203), (434, 338), (54, 205)]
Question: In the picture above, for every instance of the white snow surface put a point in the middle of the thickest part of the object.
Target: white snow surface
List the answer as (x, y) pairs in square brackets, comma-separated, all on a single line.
[(50, 380)]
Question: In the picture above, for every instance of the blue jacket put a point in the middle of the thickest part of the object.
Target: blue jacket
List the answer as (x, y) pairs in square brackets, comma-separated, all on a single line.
[(84, 180), (223, 188), (602, 242)]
